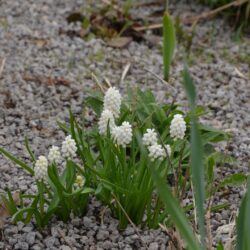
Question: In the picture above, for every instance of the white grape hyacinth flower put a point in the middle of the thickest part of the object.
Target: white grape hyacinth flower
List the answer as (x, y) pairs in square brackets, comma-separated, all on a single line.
[(156, 151), (54, 155), (150, 137), (69, 147), (122, 135), (41, 168), (106, 119), (112, 101), (178, 127), (80, 181)]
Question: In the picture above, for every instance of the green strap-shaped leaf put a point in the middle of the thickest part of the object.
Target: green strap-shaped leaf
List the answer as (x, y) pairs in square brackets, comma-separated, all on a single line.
[(29, 149), (169, 41), (175, 211), (197, 167), (243, 221), (234, 180), (15, 160)]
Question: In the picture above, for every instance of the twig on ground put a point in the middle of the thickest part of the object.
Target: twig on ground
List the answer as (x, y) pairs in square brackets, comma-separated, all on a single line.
[(2, 66), (97, 82), (208, 222), (62, 234), (211, 13), (195, 212), (160, 79), (102, 213), (107, 82), (149, 27), (46, 80), (174, 236), (195, 19), (125, 72), (240, 74)]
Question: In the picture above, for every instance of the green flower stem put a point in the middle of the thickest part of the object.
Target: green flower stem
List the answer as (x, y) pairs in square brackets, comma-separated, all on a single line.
[(179, 168), (40, 186)]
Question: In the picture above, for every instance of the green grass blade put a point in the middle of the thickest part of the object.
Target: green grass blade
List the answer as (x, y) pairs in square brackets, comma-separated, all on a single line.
[(15, 160), (29, 149), (175, 211), (169, 41), (197, 167), (243, 221)]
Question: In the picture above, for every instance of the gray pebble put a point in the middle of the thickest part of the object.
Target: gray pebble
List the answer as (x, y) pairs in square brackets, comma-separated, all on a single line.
[(102, 235)]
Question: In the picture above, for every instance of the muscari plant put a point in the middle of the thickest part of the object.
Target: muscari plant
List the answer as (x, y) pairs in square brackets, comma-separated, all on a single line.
[(133, 135), (61, 189), (114, 158)]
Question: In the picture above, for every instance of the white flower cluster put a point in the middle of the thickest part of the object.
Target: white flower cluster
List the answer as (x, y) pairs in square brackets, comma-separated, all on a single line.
[(40, 169), (112, 101), (80, 181), (122, 135), (150, 137), (69, 147), (156, 151), (177, 127), (54, 155), (106, 119), (68, 150)]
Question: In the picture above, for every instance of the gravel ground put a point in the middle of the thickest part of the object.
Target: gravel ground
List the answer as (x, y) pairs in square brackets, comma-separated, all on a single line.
[(46, 72)]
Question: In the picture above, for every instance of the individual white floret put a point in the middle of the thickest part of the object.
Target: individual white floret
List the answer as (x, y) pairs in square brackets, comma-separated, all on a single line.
[(112, 101), (156, 151), (150, 137), (41, 168), (177, 127), (80, 181), (122, 135), (106, 119), (54, 155), (69, 147)]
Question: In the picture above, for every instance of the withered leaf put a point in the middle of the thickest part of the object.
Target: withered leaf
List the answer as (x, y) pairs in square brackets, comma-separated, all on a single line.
[(119, 42)]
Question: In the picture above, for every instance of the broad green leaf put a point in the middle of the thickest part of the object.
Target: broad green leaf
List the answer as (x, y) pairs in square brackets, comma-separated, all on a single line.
[(218, 207), (54, 179), (169, 41), (96, 103), (222, 158), (87, 190), (70, 175), (54, 203), (175, 211), (18, 162), (234, 180)]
